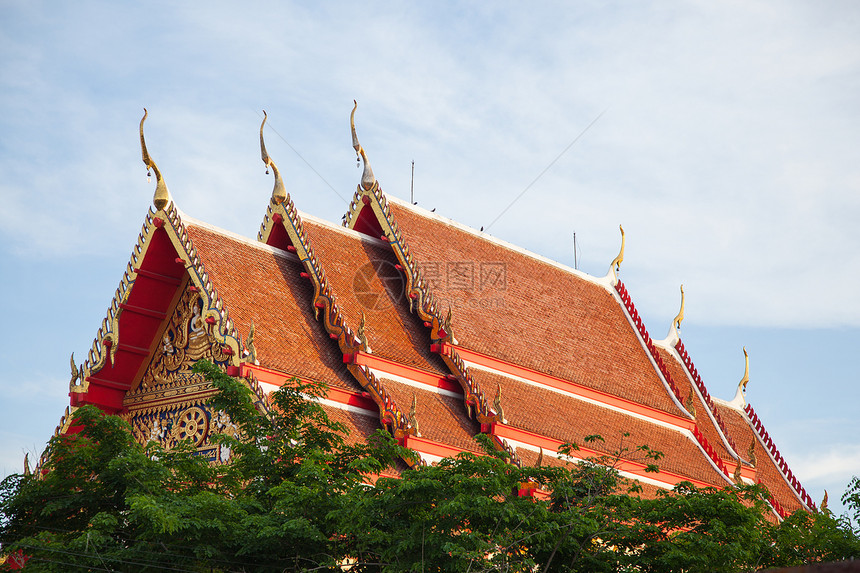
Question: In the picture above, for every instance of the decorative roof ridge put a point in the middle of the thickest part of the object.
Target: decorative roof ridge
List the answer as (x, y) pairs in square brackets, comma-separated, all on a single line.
[(600, 281), (775, 455), (284, 212), (636, 321), (107, 339), (422, 300), (417, 290), (701, 391)]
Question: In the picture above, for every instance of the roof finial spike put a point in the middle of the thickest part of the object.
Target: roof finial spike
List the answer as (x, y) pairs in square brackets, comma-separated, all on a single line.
[(824, 502), (497, 404), (677, 320), (367, 178), (279, 194), (742, 385), (161, 197), (27, 472), (413, 415), (615, 265), (249, 344)]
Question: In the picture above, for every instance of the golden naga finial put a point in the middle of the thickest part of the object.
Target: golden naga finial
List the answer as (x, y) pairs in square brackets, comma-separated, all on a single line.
[(27, 465), (279, 194), (742, 385), (367, 178), (616, 262), (413, 415), (824, 501), (77, 374), (737, 474), (751, 453), (161, 197), (249, 343), (677, 320), (497, 403), (362, 335)]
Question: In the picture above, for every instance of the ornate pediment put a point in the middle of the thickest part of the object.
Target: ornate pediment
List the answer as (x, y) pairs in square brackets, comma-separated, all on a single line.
[(170, 404)]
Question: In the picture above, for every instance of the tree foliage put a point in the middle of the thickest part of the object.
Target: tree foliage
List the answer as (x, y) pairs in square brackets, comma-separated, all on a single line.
[(298, 496)]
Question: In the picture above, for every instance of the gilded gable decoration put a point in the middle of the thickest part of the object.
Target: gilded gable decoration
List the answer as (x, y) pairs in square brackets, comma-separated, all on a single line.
[(676, 322), (413, 415), (279, 194), (251, 348), (615, 265), (367, 178), (161, 196), (170, 404)]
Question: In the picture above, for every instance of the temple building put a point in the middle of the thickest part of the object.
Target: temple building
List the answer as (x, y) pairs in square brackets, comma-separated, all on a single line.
[(418, 325)]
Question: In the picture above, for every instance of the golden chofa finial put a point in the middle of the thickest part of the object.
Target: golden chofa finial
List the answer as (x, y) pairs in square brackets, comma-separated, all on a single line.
[(161, 197), (676, 322), (279, 194), (615, 265), (742, 385), (367, 178)]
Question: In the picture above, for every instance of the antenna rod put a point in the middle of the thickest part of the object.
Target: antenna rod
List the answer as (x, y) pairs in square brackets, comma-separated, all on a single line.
[(412, 185), (575, 263)]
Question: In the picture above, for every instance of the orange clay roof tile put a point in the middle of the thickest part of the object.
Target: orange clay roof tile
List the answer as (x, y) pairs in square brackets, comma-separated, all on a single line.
[(364, 280), (512, 306), (568, 419), (260, 285)]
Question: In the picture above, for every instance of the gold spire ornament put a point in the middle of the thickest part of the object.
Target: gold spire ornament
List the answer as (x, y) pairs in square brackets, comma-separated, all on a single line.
[(27, 464), (367, 178), (824, 502), (497, 403), (77, 374), (616, 262), (161, 197), (677, 320), (362, 335), (413, 415), (737, 474), (249, 344), (742, 385), (279, 194), (751, 453), (539, 462)]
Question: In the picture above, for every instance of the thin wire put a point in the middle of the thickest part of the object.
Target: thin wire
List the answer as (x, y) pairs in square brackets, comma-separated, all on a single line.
[(551, 163), (275, 131)]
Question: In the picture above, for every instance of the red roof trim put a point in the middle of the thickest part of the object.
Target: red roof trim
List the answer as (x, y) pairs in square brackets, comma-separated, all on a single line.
[(390, 367), (775, 454), (567, 386), (670, 479), (700, 385)]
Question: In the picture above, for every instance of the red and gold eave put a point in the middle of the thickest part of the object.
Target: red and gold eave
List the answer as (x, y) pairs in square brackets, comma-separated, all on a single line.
[(164, 263)]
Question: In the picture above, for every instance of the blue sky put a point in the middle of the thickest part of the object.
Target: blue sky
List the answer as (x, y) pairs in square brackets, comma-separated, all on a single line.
[(727, 147)]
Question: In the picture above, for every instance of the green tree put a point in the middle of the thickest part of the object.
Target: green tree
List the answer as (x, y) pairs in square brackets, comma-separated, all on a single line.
[(298, 496)]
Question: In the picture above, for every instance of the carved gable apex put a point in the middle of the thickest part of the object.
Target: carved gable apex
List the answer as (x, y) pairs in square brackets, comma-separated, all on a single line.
[(170, 402)]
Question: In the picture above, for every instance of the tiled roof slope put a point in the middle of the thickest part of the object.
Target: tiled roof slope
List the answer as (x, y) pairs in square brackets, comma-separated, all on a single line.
[(692, 400), (512, 306), (264, 285), (766, 471), (441, 417), (364, 279), (555, 415)]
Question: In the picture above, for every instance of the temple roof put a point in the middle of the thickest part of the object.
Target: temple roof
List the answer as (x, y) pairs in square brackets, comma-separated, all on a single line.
[(435, 332)]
